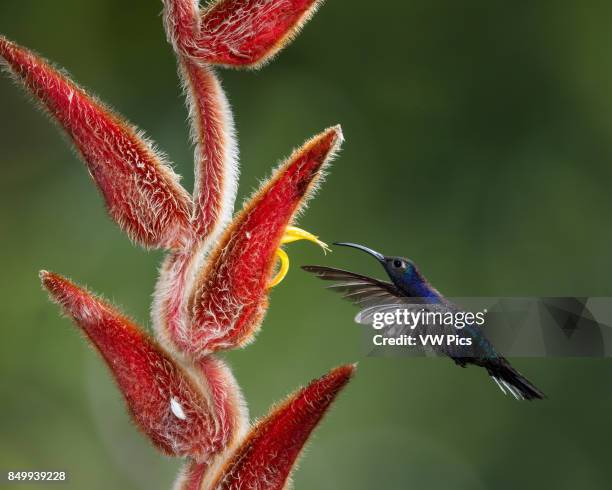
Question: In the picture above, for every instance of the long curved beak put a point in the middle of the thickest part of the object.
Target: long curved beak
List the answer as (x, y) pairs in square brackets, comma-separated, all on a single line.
[(380, 257)]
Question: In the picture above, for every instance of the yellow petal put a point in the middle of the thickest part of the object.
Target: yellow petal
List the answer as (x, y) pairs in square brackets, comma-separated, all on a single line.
[(293, 234), (284, 267)]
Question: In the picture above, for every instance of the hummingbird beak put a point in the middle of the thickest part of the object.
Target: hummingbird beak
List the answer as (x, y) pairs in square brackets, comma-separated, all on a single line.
[(380, 257)]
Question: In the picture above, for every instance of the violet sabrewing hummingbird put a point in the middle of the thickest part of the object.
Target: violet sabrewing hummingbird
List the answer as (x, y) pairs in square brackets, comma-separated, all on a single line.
[(410, 289)]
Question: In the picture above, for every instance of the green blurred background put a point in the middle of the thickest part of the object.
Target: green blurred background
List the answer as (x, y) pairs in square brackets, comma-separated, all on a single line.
[(478, 142)]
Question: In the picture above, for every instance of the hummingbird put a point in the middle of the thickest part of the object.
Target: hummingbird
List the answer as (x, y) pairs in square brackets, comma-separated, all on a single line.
[(409, 289)]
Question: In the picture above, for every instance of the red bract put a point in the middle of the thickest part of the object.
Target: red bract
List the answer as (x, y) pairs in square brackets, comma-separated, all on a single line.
[(270, 450), (213, 287), (230, 295), (182, 413), (235, 32), (141, 191), (216, 166)]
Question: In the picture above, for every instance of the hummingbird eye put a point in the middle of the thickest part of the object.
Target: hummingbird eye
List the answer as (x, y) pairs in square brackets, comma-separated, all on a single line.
[(397, 263)]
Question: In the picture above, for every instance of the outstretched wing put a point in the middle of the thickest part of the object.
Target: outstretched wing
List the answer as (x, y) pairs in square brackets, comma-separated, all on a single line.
[(362, 291)]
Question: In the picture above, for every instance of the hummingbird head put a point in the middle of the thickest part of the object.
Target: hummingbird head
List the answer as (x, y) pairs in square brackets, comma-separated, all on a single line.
[(399, 269)]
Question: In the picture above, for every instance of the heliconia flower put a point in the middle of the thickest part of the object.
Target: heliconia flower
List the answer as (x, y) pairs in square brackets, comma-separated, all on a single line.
[(268, 453), (230, 295), (270, 450), (237, 33), (212, 292), (141, 191), (170, 401)]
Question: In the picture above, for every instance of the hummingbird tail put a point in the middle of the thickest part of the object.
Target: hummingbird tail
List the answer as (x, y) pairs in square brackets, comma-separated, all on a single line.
[(510, 380)]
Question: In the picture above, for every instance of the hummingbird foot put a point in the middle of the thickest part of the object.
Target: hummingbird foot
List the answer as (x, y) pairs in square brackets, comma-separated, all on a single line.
[(293, 234)]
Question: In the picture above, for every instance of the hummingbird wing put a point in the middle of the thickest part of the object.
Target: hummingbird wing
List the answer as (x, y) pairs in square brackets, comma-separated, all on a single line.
[(360, 290)]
